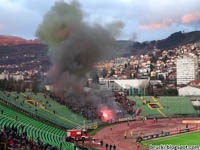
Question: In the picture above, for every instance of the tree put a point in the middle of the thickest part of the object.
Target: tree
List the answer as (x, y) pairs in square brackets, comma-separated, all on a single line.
[(151, 67), (104, 72), (112, 72), (35, 86), (125, 66), (171, 92), (94, 76)]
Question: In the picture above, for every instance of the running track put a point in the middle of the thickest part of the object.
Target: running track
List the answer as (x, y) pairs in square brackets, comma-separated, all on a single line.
[(116, 136)]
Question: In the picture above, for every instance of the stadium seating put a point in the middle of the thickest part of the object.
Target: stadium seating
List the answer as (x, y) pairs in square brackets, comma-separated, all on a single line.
[(145, 109), (172, 105), (176, 105), (62, 117), (34, 129)]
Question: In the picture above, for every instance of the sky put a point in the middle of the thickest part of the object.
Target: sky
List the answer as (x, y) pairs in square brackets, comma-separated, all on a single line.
[(144, 20)]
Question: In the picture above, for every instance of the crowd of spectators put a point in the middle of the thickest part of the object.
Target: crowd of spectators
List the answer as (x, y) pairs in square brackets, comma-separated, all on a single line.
[(88, 111), (11, 138), (125, 103)]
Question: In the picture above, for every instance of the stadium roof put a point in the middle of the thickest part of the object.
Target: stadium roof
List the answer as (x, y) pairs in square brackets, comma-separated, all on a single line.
[(134, 83)]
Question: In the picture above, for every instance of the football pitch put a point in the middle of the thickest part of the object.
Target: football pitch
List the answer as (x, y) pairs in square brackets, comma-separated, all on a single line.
[(192, 138)]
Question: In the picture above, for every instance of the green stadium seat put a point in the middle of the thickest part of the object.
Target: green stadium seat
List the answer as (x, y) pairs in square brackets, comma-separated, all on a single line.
[(64, 117), (48, 134), (172, 105)]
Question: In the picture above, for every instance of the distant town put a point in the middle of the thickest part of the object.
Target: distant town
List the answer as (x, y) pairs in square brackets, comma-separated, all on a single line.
[(165, 70), (160, 72)]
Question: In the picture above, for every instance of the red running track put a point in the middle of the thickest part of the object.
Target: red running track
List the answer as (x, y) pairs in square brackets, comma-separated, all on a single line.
[(116, 136)]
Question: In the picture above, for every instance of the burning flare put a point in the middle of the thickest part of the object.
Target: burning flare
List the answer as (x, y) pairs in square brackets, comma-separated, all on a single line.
[(106, 114)]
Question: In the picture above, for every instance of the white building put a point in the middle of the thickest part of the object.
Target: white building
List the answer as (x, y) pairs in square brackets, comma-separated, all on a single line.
[(189, 91), (116, 85), (195, 103), (186, 70), (4, 75), (17, 77), (49, 87)]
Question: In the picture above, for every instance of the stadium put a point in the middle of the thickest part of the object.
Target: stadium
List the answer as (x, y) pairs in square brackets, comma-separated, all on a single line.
[(61, 97), (156, 121)]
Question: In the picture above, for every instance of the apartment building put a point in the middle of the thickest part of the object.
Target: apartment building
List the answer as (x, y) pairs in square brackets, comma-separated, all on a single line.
[(187, 69)]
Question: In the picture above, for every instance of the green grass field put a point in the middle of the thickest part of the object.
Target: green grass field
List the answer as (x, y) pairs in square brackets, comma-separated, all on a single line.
[(192, 138)]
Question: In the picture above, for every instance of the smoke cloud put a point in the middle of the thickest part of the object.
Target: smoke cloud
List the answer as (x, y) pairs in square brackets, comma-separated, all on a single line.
[(75, 47), (115, 28), (58, 22), (134, 36)]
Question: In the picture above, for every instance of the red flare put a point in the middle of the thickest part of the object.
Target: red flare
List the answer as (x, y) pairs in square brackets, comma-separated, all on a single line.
[(106, 114)]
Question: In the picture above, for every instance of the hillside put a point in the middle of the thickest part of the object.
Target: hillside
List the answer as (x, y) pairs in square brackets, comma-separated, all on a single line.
[(13, 40), (28, 54), (176, 39), (122, 48), (24, 57)]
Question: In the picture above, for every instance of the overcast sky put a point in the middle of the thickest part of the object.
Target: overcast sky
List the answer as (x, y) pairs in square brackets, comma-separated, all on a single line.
[(144, 20)]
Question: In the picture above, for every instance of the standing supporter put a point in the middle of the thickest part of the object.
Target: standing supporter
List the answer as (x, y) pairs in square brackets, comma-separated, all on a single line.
[(22, 127), (34, 146), (131, 133), (25, 134), (101, 143), (38, 139), (114, 147), (110, 146), (11, 142), (83, 141), (156, 119), (77, 140), (106, 146), (138, 145), (125, 134)]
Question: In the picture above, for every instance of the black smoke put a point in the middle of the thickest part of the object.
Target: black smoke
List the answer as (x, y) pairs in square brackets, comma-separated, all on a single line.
[(75, 47)]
